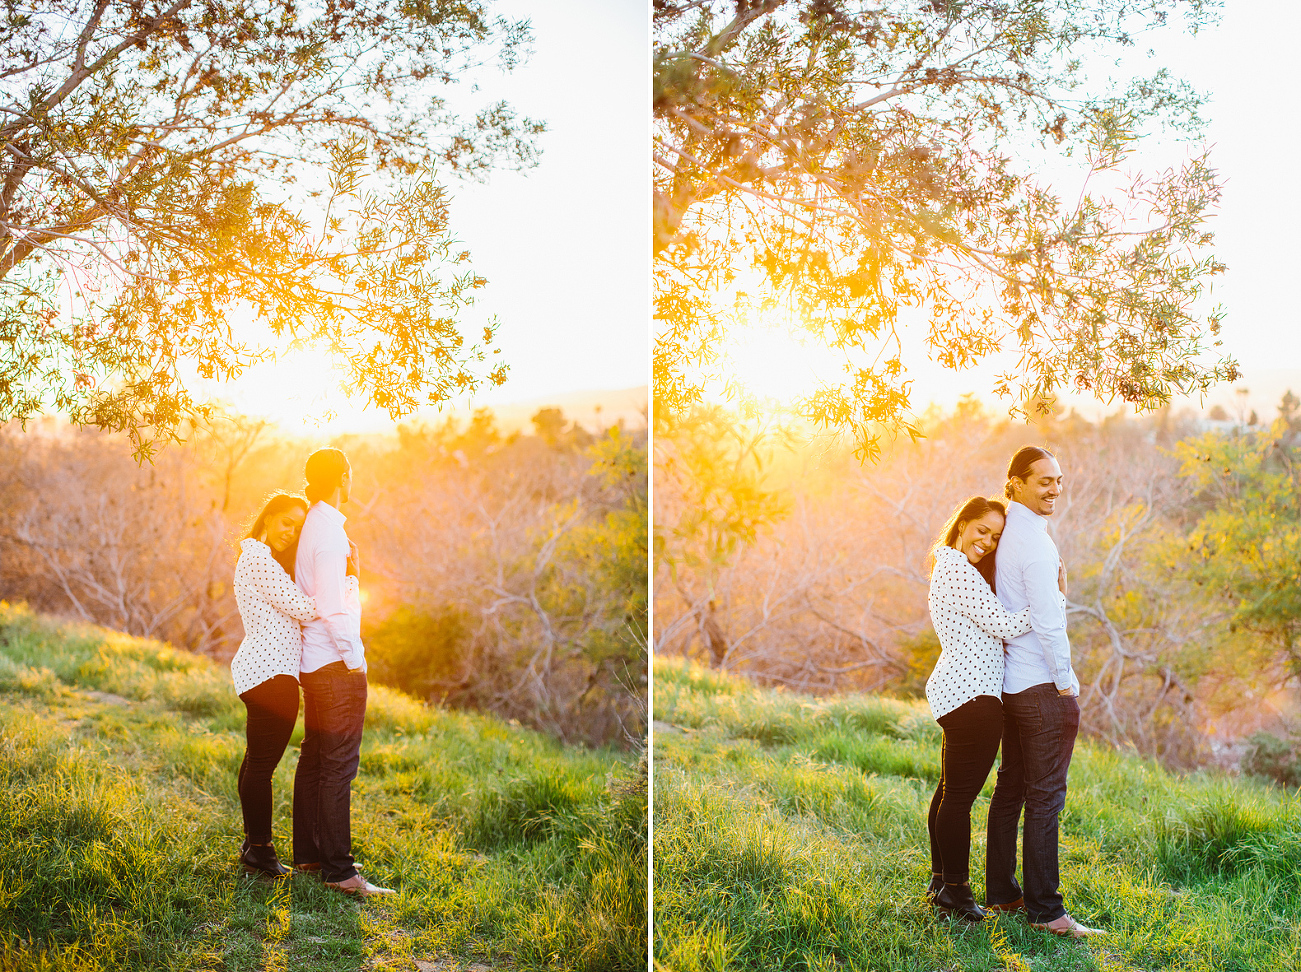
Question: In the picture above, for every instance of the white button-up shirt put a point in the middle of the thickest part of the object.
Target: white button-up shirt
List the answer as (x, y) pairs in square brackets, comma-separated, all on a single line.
[(321, 570), (1026, 575)]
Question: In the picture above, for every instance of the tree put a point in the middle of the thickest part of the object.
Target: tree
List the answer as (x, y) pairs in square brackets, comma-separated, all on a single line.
[(1246, 546), (835, 162), (155, 162), (504, 573), (88, 533), (510, 574), (712, 501)]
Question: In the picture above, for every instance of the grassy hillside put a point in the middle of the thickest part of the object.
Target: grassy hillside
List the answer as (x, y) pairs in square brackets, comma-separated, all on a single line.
[(790, 834), (119, 829)]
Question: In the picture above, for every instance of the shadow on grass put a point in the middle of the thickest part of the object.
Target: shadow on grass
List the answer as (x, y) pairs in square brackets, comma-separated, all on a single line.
[(294, 923), (119, 828)]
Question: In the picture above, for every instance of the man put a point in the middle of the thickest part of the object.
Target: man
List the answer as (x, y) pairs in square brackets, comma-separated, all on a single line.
[(1040, 714), (333, 676)]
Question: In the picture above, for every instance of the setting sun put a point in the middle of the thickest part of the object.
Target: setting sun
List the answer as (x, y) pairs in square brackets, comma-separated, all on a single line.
[(775, 366), (302, 391)]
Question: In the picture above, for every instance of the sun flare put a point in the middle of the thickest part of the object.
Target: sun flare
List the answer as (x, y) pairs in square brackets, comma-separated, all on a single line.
[(301, 392), (776, 366)]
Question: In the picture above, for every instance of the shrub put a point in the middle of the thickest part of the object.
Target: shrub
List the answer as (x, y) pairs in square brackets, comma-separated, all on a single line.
[(421, 651), (1272, 757)]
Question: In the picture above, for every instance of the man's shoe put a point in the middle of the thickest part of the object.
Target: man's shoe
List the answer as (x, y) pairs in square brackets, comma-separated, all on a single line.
[(1067, 926), (261, 859), (1006, 909), (311, 868), (358, 885), (955, 900)]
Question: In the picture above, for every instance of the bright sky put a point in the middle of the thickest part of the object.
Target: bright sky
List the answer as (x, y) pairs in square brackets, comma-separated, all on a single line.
[(1245, 63), (565, 246)]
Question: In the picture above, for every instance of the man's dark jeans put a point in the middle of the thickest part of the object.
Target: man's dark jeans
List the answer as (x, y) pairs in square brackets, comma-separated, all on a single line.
[(1039, 728), (334, 711)]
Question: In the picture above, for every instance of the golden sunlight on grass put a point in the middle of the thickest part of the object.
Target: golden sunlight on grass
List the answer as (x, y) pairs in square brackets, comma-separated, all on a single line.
[(119, 825), (790, 831)]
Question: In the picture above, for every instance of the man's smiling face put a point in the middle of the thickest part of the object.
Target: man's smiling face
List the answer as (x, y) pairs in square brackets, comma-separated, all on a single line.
[(1039, 490)]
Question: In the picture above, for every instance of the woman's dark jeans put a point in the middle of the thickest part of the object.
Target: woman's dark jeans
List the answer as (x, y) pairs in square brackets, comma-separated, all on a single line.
[(1039, 728), (334, 712), (272, 711), (971, 735)]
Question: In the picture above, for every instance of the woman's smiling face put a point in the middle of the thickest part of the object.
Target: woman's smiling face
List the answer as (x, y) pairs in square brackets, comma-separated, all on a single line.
[(976, 538), (282, 528)]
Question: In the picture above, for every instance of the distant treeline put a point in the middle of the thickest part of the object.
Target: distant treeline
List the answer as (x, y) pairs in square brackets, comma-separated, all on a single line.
[(500, 572), (790, 561)]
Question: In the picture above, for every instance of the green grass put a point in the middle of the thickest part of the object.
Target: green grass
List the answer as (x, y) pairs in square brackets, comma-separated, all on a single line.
[(790, 834), (120, 826)]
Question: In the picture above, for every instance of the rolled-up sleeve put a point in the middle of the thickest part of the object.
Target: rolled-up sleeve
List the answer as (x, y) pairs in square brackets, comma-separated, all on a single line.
[(1048, 619), (332, 596)]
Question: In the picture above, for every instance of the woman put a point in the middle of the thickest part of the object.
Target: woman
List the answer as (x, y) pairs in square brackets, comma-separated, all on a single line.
[(965, 689), (265, 668)]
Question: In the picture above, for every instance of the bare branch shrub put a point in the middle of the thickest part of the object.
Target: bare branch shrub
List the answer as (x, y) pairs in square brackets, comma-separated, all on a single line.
[(537, 547), (832, 595), (506, 573)]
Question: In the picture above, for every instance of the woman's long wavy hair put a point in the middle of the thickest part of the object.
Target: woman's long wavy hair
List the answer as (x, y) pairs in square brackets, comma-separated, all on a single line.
[(972, 509), (278, 503)]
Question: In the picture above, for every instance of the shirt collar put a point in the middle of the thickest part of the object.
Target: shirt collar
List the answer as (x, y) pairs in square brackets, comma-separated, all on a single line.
[(329, 512), (944, 550), (1026, 515)]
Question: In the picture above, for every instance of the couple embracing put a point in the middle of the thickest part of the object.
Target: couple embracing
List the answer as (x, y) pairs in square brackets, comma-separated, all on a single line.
[(297, 589), (998, 606)]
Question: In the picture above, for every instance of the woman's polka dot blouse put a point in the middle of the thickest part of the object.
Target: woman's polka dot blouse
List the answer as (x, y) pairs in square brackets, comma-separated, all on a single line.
[(270, 605), (971, 624)]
